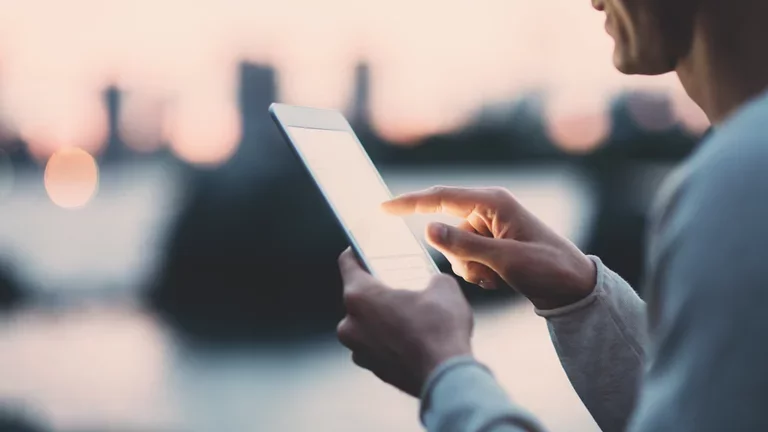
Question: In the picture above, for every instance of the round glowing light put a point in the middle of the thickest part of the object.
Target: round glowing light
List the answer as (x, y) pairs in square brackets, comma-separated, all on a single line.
[(6, 175), (651, 111), (204, 136), (577, 131), (71, 177)]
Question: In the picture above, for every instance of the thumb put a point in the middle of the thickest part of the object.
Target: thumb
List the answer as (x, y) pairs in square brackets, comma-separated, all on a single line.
[(464, 245)]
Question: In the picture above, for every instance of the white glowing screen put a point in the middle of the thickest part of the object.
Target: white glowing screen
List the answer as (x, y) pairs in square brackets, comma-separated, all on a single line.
[(355, 190)]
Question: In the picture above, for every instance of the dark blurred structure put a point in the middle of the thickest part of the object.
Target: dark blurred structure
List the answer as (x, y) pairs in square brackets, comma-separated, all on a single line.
[(504, 135), (115, 148), (359, 112), (10, 291), (253, 253), (627, 172), (14, 419), (16, 150)]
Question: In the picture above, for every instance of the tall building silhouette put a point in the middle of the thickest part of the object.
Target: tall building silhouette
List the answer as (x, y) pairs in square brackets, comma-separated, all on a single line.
[(360, 116), (359, 111), (11, 145), (115, 148), (261, 150), (257, 90)]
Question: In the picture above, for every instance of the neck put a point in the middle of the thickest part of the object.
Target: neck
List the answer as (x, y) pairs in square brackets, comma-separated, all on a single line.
[(727, 64)]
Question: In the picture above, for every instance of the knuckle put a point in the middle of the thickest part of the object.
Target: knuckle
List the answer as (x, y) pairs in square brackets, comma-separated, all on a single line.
[(458, 270), (343, 257), (473, 275), (500, 193), (354, 299), (437, 190), (345, 332)]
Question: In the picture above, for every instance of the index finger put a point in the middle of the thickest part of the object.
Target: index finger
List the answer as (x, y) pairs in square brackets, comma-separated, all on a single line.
[(456, 201)]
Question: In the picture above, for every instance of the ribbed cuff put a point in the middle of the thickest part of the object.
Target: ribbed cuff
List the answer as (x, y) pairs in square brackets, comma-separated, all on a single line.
[(441, 371), (586, 301)]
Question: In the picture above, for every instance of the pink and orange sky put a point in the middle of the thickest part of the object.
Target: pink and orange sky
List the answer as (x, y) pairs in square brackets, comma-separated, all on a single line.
[(433, 62)]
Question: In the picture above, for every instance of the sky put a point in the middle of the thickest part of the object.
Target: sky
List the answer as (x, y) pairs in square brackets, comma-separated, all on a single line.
[(433, 62)]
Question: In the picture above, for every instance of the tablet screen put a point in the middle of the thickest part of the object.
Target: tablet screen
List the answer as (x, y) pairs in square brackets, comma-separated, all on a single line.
[(351, 184)]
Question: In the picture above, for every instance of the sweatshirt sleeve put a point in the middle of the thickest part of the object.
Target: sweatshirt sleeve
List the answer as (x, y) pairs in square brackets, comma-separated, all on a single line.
[(461, 395), (600, 341)]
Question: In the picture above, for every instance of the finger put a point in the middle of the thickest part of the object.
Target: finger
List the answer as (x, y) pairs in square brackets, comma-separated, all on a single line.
[(459, 266), (348, 334), (456, 201), (466, 225), (351, 270), (465, 246), (359, 287), (479, 225), (481, 275)]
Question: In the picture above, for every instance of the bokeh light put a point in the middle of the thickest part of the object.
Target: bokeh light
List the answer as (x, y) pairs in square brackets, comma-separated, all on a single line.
[(651, 111), (577, 127), (141, 122), (6, 175), (203, 134), (425, 78), (71, 177), (71, 116)]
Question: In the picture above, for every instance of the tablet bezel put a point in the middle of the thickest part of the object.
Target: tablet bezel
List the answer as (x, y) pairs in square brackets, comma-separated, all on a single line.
[(286, 116)]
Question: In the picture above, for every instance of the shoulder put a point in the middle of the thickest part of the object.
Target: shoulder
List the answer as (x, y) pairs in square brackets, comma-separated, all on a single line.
[(725, 180), (734, 158), (732, 166), (721, 205)]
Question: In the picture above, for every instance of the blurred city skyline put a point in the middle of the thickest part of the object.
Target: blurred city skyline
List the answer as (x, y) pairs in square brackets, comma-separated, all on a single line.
[(433, 64)]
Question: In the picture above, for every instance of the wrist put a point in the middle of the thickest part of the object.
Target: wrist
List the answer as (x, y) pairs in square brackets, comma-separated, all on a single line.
[(433, 360), (577, 285)]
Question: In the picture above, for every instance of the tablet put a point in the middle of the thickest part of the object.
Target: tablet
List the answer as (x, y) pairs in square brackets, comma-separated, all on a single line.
[(337, 162)]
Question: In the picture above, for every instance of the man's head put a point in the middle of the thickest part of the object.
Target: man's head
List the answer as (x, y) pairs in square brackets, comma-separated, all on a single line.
[(651, 36)]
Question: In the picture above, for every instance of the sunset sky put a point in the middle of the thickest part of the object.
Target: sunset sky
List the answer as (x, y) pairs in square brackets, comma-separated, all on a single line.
[(433, 62)]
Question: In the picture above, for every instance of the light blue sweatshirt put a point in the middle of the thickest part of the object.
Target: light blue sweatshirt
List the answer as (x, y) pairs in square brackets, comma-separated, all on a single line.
[(696, 357)]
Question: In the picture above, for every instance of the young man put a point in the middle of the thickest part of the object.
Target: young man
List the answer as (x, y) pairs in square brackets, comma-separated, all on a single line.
[(693, 359)]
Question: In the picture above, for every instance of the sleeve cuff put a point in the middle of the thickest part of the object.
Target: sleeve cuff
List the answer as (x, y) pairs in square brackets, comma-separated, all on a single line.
[(441, 371), (586, 301), (462, 394)]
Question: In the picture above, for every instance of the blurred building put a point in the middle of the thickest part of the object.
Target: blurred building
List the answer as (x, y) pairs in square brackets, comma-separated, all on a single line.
[(645, 145), (359, 112), (115, 148), (13, 147), (10, 290), (253, 253)]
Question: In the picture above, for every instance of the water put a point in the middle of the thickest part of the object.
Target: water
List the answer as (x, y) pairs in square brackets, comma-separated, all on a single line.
[(108, 364), (118, 367)]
